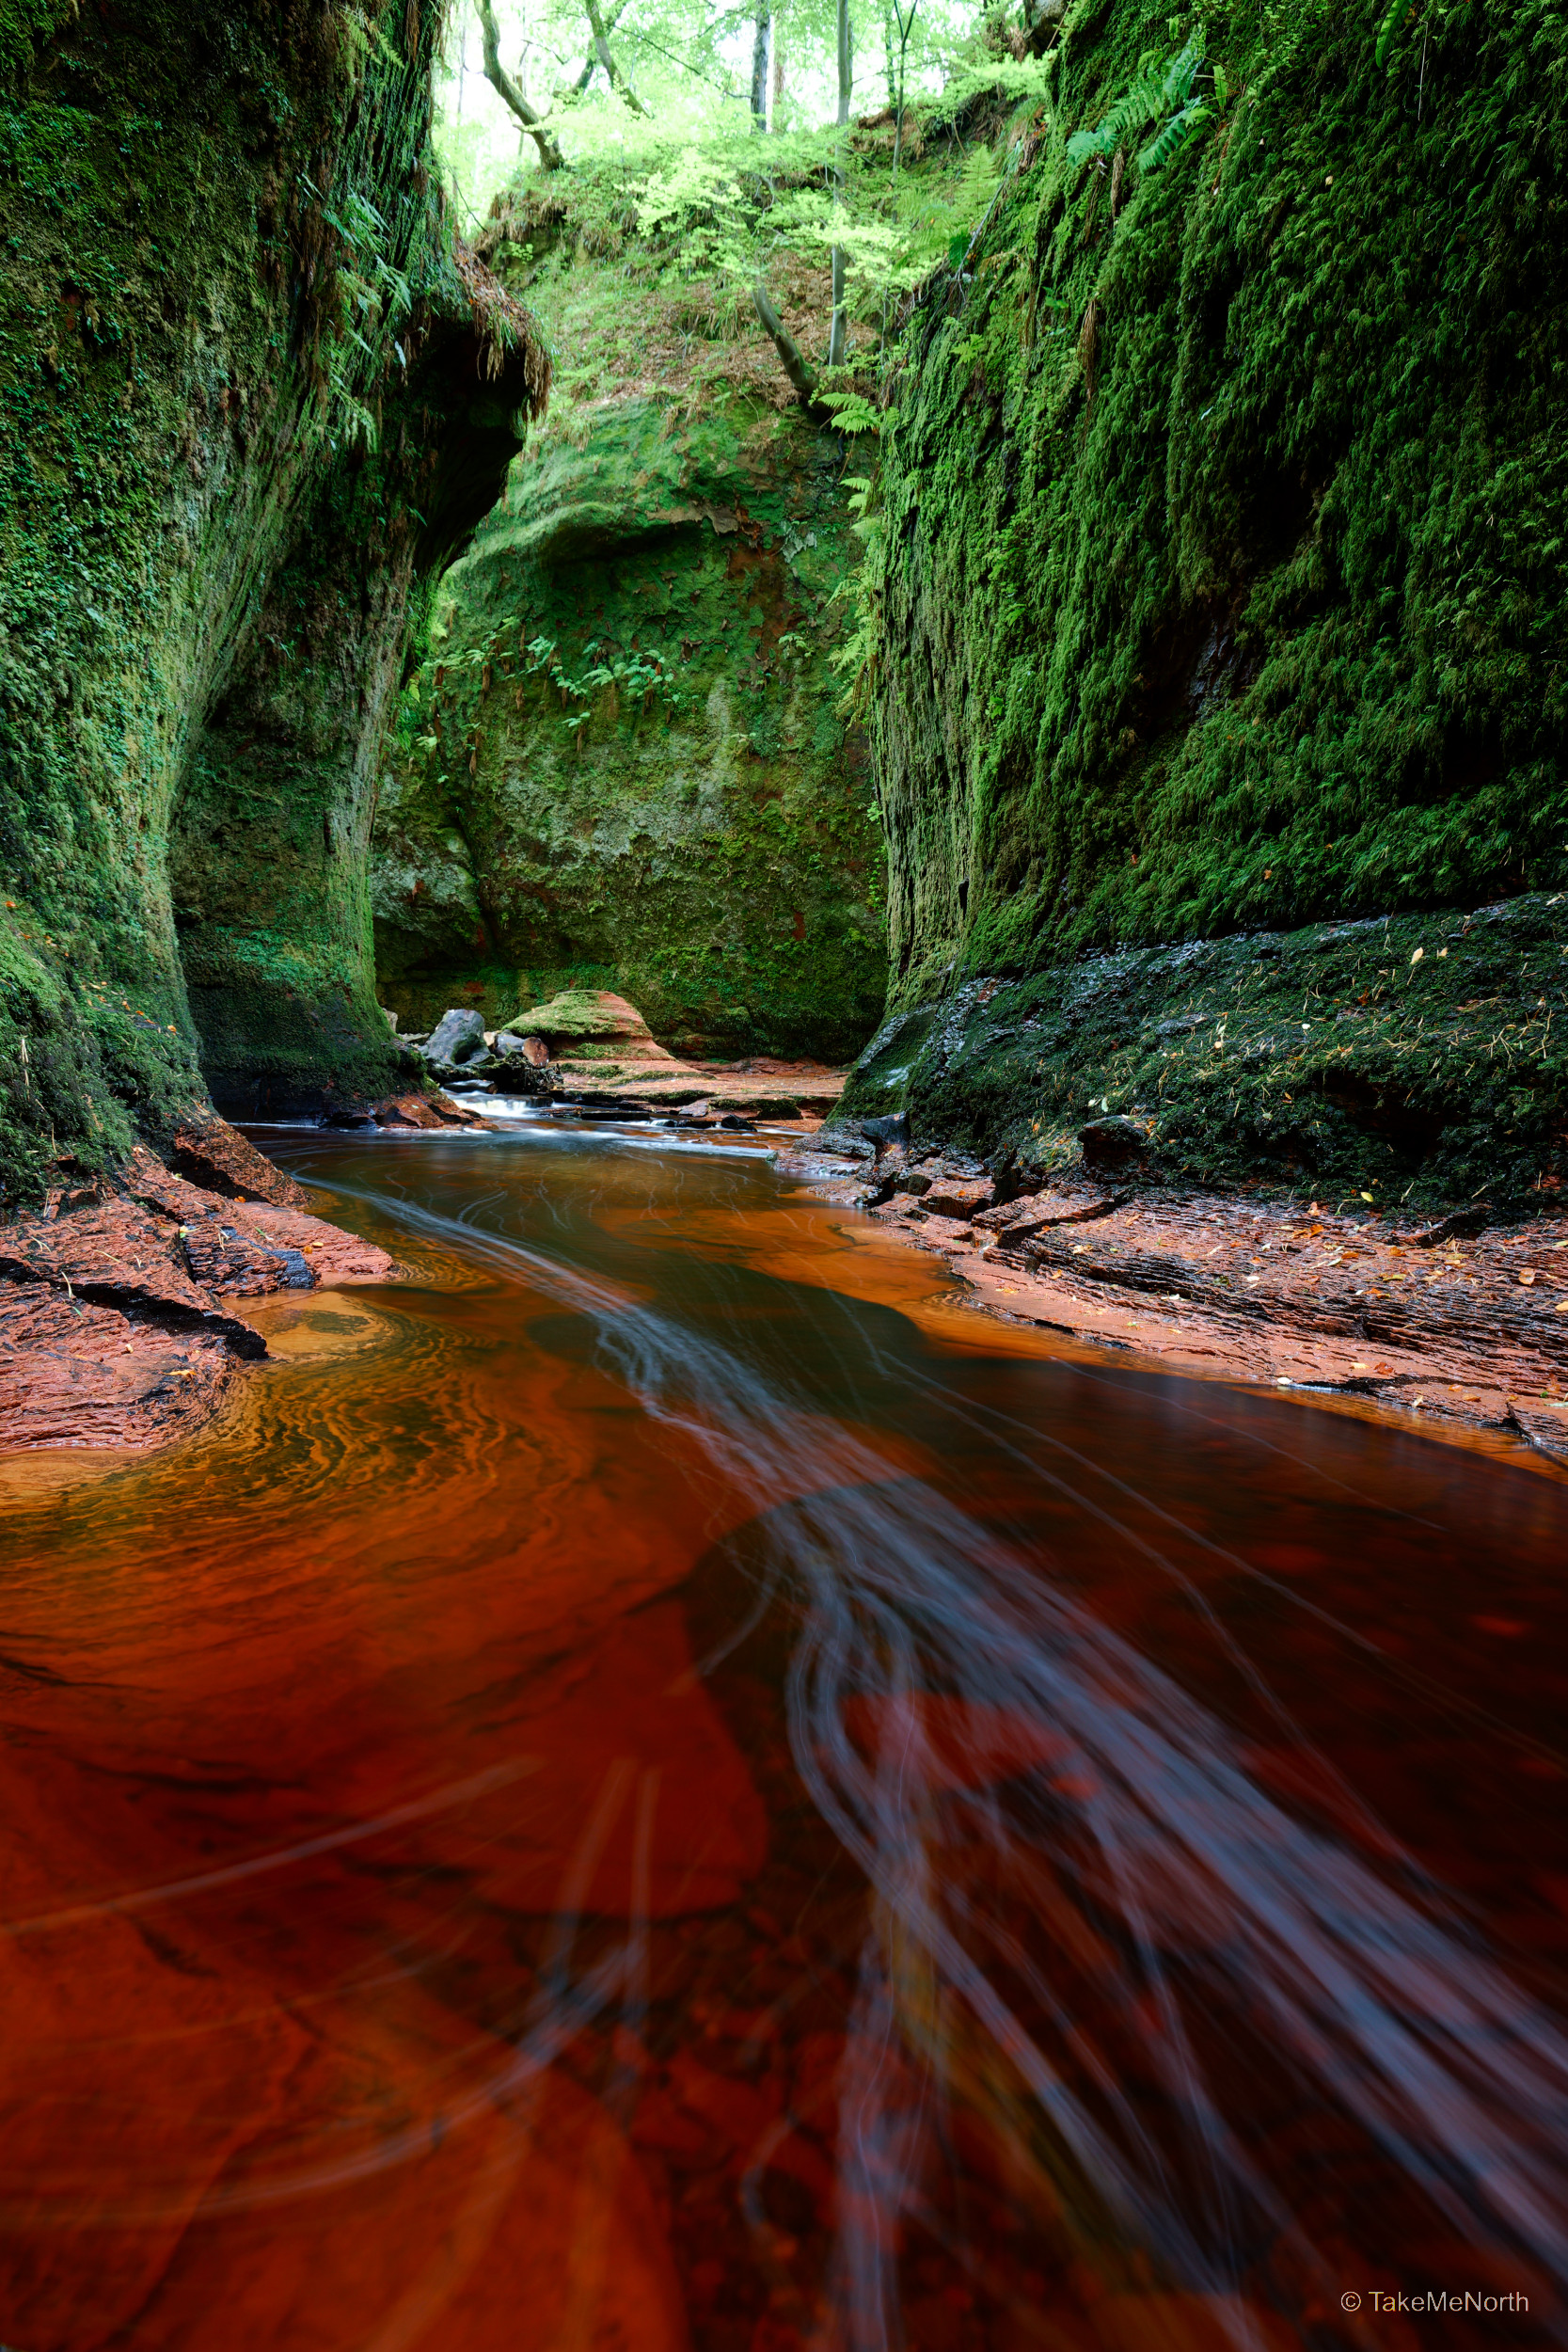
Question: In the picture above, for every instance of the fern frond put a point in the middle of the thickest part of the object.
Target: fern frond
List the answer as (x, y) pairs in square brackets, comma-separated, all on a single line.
[(1149, 95), (853, 412), (1181, 130), (1085, 145), (1388, 29), (1177, 85)]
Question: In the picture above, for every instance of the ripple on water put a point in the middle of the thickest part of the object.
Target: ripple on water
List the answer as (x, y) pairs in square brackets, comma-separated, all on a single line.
[(626, 1790)]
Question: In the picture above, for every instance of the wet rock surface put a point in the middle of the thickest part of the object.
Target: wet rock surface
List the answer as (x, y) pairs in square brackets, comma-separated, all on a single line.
[(457, 1037), (1458, 1323), (114, 1326), (428, 1111), (1416, 1057), (596, 1046)]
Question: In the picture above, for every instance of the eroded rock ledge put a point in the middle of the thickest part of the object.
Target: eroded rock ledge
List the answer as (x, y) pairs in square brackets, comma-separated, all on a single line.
[(118, 1326), (1458, 1321)]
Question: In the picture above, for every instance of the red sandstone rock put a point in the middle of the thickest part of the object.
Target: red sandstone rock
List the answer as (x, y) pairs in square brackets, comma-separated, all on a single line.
[(424, 1111), (959, 1744), (75, 1374), (641, 1801), (1474, 1334), (220, 1159), (112, 1332)]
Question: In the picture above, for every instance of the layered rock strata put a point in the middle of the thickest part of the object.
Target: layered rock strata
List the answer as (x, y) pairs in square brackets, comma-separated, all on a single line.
[(1461, 1325), (119, 1324)]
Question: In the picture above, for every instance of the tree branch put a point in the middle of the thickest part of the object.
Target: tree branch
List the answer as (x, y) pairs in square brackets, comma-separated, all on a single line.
[(591, 61), (618, 81), (759, 65), (550, 156), (786, 348)]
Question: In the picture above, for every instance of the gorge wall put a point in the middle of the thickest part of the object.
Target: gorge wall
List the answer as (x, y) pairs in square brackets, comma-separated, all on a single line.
[(250, 392), (623, 764), (1219, 608)]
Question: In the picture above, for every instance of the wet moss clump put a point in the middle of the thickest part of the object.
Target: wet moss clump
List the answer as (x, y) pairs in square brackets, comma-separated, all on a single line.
[(624, 766), (1417, 1061)]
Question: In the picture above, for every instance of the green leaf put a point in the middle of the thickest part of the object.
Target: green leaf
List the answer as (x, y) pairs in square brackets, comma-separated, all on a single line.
[(1176, 134)]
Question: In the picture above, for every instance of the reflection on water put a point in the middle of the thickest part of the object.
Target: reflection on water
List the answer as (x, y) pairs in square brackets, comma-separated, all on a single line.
[(631, 1793)]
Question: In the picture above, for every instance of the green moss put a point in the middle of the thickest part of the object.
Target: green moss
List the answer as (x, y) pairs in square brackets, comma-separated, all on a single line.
[(1221, 578), (1224, 581), (623, 764), (203, 476), (1416, 1058)]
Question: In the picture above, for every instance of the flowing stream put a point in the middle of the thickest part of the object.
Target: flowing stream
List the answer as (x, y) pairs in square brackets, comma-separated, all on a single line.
[(658, 1783)]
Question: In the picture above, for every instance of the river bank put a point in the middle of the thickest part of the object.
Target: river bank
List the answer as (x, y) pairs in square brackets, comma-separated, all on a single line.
[(120, 1299), (1458, 1323), (125, 1310)]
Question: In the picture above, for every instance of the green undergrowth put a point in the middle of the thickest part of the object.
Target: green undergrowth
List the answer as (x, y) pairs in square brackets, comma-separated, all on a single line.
[(630, 758), (1219, 579)]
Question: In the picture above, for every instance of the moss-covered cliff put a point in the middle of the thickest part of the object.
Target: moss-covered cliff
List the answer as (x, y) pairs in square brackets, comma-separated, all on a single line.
[(623, 764), (1222, 593), (238, 364)]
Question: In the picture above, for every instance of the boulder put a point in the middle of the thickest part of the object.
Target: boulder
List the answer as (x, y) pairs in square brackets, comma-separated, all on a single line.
[(960, 1199), (530, 1049), (579, 1015), (457, 1037), (591, 1034), (1112, 1142)]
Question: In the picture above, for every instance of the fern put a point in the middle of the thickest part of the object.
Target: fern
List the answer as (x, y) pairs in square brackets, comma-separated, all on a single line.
[(1178, 85), (1154, 94), (1131, 112), (1178, 132), (1389, 28), (853, 412)]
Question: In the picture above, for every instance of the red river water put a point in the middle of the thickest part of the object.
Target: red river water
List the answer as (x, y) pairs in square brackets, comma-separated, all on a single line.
[(655, 1784)]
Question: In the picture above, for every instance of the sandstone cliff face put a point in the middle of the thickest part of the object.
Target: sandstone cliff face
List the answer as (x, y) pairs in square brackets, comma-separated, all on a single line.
[(623, 764), (214, 500), (1220, 602)]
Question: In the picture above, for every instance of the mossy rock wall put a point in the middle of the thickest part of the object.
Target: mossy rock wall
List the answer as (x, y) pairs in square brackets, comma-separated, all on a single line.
[(211, 507), (633, 775), (1222, 581)]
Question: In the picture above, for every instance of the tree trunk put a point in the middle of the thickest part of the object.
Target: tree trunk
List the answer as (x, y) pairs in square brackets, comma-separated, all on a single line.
[(906, 26), (550, 156), (845, 82), (786, 345), (775, 110), (618, 81), (759, 67), (591, 62)]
